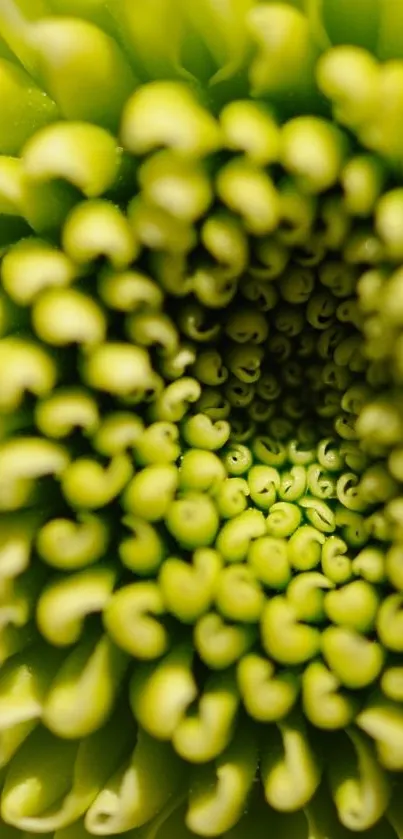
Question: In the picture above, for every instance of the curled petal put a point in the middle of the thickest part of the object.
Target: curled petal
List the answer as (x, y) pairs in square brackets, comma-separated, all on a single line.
[(139, 790), (268, 695), (221, 644), (358, 784), (290, 769), (66, 316), (66, 410), (325, 705), (51, 782), (24, 366), (179, 186), (219, 792), (118, 431), (236, 534), (33, 265), (382, 720), (83, 154), (84, 70), (23, 461), (88, 485), (188, 589), (69, 545), (144, 550), (130, 617), (97, 228), (66, 601), (25, 107), (129, 291), (24, 682), (202, 471), (238, 594), (286, 55), (151, 492), (84, 691), (260, 208), (284, 638), (160, 692), (202, 736), (167, 114), (357, 661), (118, 368)]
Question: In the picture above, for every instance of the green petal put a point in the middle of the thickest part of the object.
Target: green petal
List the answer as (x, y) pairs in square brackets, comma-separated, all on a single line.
[(219, 792), (52, 782), (130, 618), (24, 683), (139, 789), (168, 114), (83, 694), (202, 736), (66, 601), (359, 786), (161, 692), (284, 62), (290, 769), (25, 107), (94, 89), (84, 155)]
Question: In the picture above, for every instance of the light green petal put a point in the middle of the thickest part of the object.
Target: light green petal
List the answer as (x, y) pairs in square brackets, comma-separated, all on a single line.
[(284, 638), (188, 588), (131, 618), (290, 769), (160, 692), (166, 113), (382, 720), (84, 691), (98, 228), (220, 644), (68, 545), (67, 600), (24, 682), (325, 705), (32, 265), (202, 736), (94, 90), (286, 61), (51, 782), (358, 784), (88, 485), (24, 365), (219, 792), (24, 106), (268, 695), (139, 789)]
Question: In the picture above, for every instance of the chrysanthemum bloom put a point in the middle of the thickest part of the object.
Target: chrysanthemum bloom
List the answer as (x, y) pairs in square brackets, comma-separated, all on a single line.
[(201, 419)]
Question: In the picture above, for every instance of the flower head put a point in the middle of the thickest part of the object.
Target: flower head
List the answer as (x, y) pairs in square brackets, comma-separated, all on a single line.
[(201, 419)]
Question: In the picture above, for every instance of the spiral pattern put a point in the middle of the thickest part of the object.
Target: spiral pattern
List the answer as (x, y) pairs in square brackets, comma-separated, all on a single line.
[(201, 419)]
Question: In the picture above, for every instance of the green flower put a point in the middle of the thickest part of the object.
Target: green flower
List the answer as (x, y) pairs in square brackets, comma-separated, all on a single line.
[(201, 419)]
